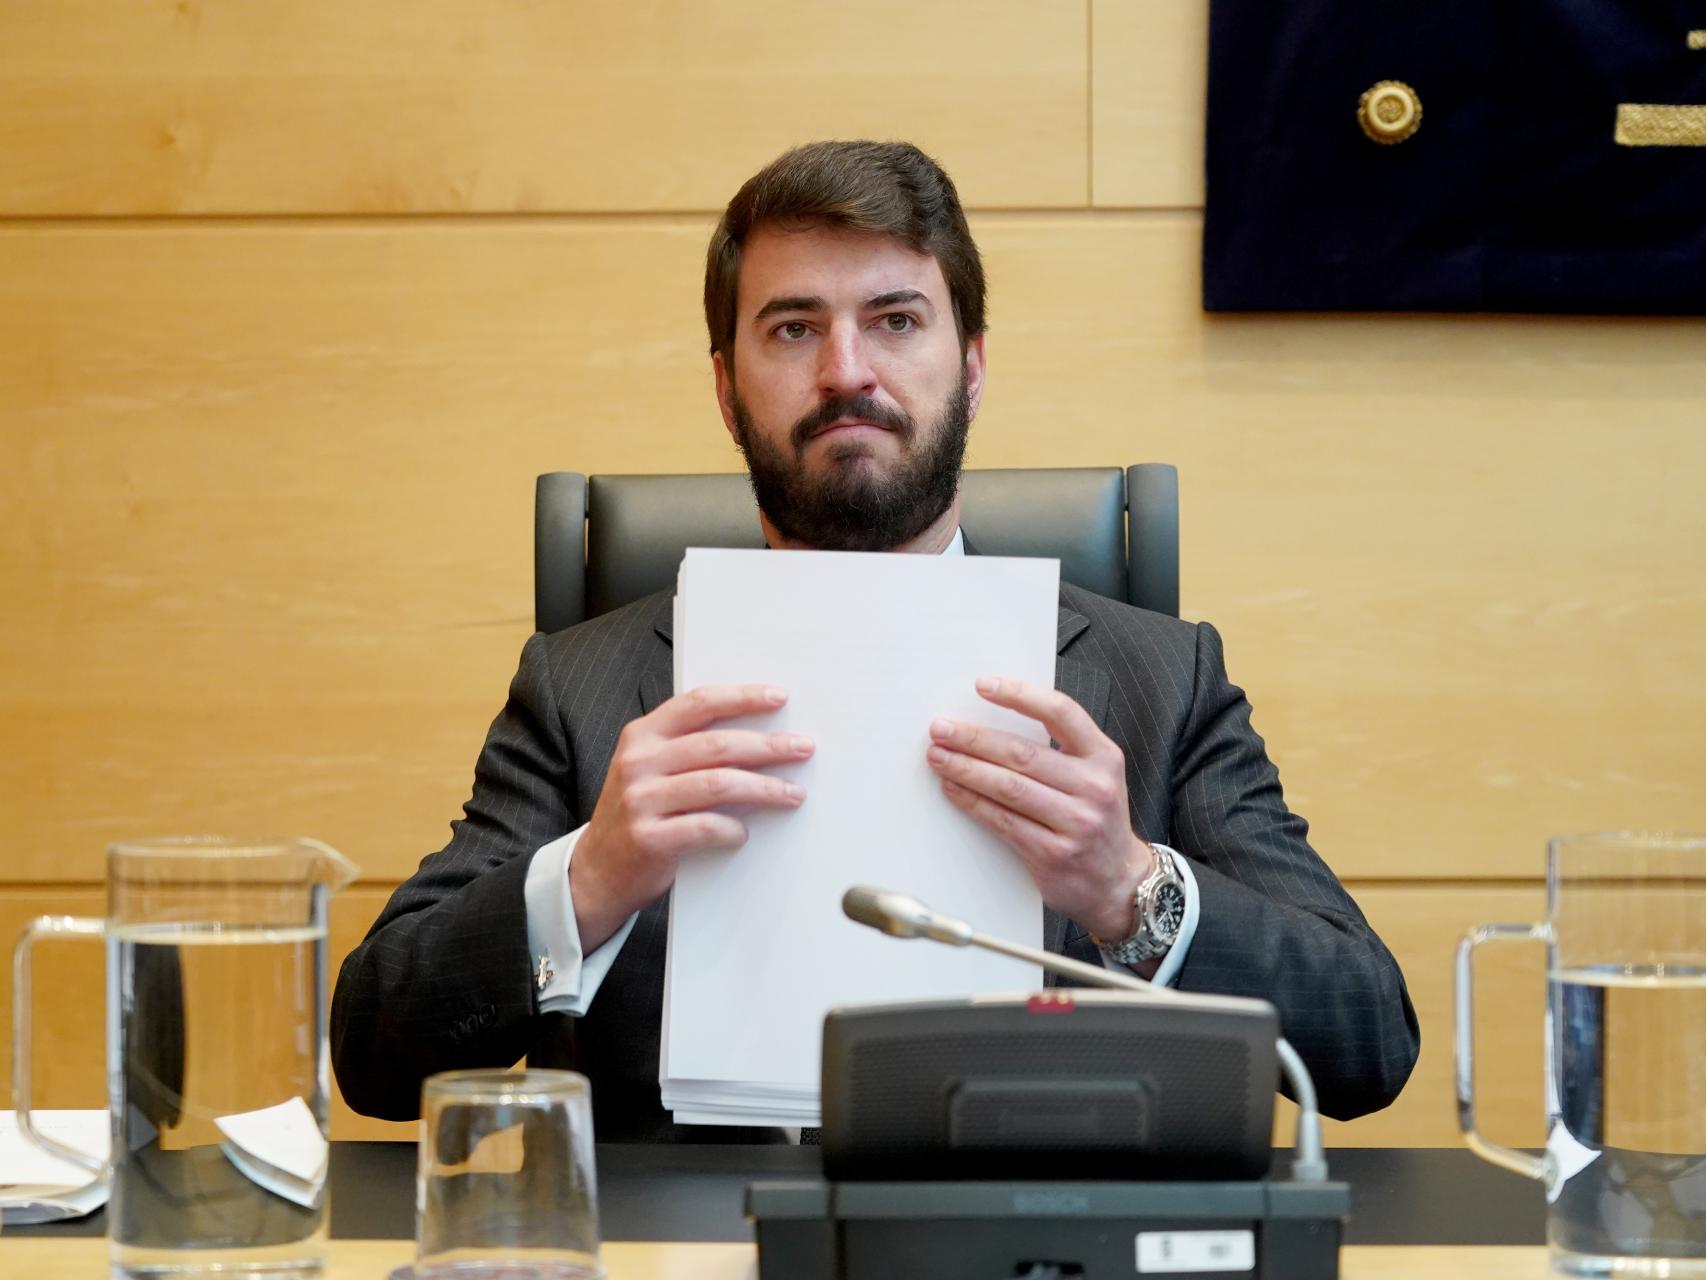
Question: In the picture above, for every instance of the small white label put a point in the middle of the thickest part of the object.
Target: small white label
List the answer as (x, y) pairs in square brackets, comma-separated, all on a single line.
[(1196, 1251)]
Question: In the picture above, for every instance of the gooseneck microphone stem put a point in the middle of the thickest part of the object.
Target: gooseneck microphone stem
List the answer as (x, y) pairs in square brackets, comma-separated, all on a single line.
[(902, 917), (1067, 967)]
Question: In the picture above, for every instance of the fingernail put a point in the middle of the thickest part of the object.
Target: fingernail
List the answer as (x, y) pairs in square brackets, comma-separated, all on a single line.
[(937, 755), (942, 728), (799, 744), (987, 684), (775, 695), (795, 792), (950, 788)]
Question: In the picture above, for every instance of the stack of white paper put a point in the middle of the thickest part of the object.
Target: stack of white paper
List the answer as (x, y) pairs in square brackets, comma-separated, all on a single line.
[(38, 1187), (870, 648)]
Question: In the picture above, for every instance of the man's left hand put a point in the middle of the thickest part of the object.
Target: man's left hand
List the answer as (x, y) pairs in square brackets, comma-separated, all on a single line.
[(1064, 812)]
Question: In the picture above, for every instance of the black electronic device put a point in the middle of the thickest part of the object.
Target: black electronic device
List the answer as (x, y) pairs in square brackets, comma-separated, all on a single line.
[(1278, 1230), (1078, 1084), (1066, 1133)]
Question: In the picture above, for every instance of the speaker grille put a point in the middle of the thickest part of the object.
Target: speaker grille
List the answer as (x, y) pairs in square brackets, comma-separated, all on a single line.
[(1196, 1084)]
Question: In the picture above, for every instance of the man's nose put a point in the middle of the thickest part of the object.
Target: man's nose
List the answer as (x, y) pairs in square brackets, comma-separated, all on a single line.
[(844, 365)]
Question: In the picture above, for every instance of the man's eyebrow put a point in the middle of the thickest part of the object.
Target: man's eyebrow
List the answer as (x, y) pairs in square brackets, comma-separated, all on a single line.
[(797, 302), (804, 302), (896, 297)]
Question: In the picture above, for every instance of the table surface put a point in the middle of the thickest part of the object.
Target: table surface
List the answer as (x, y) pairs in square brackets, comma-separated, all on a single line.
[(1399, 1196), (375, 1259)]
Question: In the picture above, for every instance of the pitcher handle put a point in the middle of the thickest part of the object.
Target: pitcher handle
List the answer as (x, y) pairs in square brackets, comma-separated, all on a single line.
[(58, 926), (1539, 1167)]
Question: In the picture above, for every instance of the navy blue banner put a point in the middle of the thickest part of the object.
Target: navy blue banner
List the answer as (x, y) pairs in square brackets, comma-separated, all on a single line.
[(1461, 155)]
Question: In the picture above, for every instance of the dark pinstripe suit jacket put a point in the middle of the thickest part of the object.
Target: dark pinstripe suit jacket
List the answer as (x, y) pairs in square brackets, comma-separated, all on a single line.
[(443, 979)]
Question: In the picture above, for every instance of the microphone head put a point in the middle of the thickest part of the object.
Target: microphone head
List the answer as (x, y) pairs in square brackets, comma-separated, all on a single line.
[(900, 916), (893, 913)]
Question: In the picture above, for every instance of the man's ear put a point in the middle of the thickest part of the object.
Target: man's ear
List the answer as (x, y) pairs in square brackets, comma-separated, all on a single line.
[(725, 389), (974, 373)]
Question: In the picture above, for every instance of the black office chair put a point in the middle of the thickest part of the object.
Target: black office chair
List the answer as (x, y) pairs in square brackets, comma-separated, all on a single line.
[(601, 543)]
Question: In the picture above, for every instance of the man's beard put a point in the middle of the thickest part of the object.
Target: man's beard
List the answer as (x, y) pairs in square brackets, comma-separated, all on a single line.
[(854, 507)]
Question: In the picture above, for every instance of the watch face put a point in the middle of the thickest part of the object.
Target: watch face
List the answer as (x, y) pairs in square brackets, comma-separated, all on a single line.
[(1169, 911)]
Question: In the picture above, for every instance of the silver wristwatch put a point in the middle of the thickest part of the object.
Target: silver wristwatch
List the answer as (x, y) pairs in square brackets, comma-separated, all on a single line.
[(1159, 911)]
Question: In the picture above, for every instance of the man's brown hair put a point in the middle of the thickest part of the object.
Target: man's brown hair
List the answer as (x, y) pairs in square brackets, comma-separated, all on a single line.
[(887, 188)]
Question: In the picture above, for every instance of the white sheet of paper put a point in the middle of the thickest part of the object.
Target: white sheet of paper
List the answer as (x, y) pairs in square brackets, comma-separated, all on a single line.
[(285, 1136), (870, 648), (22, 1209), (23, 1164), (305, 1192), (37, 1187)]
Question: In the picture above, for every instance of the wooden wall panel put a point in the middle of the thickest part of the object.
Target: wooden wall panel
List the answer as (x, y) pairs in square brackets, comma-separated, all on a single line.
[(268, 520), (312, 106), (1148, 85), (253, 599), (265, 515), (1456, 559)]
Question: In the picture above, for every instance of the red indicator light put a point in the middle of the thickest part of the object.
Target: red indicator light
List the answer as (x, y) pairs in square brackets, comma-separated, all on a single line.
[(1050, 1002)]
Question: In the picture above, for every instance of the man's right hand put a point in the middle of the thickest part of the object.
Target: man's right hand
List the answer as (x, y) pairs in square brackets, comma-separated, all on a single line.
[(671, 770)]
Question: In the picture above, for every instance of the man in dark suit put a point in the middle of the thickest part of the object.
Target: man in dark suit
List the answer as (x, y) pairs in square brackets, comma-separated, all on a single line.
[(845, 302)]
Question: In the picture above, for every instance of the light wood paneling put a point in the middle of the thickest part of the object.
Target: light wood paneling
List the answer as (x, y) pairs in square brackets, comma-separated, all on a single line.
[(429, 106), (1456, 559), (1148, 86), (1420, 923), (271, 506), (267, 520)]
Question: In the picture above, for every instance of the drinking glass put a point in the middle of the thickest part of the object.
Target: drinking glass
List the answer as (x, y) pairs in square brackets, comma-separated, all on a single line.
[(506, 1185), (1625, 1161)]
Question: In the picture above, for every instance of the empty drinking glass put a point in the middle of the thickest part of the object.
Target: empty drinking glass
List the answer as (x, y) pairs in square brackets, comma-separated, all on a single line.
[(506, 1185)]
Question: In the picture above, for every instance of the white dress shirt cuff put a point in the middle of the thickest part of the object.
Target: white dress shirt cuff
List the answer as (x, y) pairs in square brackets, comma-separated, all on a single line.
[(1168, 974), (564, 981)]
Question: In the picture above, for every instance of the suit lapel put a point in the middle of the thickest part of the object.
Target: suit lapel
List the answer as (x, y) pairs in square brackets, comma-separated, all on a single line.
[(1086, 685), (1089, 687), (657, 681), (656, 687)]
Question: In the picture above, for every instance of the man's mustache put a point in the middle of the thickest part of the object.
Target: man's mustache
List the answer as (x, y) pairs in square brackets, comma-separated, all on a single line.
[(862, 408)]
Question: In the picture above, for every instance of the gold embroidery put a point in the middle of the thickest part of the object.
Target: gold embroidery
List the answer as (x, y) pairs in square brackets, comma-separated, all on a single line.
[(1389, 112), (1697, 39), (1646, 124)]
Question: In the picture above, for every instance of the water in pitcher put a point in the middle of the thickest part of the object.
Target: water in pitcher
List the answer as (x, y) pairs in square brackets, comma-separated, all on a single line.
[(1628, 1089), (209, 1022)]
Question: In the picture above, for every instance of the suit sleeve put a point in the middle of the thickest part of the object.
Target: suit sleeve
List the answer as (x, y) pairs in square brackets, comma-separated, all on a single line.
[(443, 979), (1275, 922)]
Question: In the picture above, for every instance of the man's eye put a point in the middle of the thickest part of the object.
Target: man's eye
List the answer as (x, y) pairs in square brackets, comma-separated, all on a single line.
[(792, 330), (899, 322)]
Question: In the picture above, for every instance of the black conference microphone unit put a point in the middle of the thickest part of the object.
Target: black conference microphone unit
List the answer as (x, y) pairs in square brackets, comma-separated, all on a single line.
[(1119, 1131)]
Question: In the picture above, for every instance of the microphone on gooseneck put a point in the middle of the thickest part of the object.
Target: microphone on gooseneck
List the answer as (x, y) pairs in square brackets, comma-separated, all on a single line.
[(901, 916)]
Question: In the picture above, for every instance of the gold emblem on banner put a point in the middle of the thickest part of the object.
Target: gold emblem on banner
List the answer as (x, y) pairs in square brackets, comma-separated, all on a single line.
[(1648, 124), (1653, 124), (1389, 112)]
